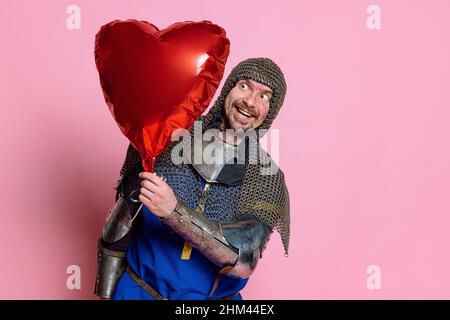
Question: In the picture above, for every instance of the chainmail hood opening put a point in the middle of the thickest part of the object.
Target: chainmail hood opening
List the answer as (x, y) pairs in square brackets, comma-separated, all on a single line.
[(261, 70)]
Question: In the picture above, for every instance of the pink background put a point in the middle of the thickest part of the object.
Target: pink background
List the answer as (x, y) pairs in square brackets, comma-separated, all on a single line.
[(364, 142)]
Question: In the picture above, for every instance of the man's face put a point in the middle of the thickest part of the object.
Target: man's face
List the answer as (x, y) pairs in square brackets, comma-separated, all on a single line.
[(247, 105)]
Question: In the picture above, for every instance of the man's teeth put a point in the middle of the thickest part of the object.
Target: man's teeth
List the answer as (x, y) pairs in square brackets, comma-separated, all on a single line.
[(244, 113)]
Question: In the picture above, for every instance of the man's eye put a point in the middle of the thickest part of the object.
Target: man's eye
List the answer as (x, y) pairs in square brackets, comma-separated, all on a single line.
[(243, 85), (265, 97)]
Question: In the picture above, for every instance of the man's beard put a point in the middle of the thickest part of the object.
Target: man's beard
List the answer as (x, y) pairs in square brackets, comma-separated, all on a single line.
[(230, 118)]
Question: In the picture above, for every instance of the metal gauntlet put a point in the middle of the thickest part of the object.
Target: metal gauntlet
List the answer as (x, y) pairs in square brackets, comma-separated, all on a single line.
[(110, 267), (235, 248)]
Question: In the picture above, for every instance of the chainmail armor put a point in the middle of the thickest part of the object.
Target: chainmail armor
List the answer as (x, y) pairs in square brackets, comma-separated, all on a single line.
[(264, 196)]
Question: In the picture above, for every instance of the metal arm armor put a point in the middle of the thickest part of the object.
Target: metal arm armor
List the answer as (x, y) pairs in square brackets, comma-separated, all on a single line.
[(235, 247)]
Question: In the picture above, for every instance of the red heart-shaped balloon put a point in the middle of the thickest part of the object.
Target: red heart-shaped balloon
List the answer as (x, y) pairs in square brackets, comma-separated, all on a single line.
[(155, 81)]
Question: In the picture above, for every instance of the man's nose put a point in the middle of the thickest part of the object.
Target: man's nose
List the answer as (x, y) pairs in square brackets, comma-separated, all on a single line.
[(250, 100)]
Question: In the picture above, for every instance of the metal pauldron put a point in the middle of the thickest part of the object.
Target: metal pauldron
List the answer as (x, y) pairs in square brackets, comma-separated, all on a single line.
[(235, 248), (110, 267)]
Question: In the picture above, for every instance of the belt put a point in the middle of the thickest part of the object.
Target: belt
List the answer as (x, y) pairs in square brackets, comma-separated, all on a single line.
[(155, 294)]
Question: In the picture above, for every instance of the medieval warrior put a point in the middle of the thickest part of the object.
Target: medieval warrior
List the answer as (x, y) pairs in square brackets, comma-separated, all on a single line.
[(203, 225)]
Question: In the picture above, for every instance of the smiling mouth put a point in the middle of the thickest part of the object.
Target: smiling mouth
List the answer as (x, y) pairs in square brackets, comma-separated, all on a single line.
[(244, 113)]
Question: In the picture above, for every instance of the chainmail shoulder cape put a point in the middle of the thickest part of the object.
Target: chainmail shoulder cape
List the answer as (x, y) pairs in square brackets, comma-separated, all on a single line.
[(264, 196)]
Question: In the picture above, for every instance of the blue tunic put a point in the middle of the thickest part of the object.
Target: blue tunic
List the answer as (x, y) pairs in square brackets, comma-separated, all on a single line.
[(155, 255)]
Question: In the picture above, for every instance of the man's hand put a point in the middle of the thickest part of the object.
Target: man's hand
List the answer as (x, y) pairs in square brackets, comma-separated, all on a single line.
[(157, 195)]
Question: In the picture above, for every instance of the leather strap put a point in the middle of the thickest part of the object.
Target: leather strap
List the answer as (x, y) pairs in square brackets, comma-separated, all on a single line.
[(155, 294)]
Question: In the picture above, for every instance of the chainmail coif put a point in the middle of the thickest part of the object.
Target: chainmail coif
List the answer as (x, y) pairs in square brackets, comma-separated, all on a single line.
[(264, 196)]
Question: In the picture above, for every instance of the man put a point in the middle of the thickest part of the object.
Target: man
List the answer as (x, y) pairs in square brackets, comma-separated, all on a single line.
[(203, 226)]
